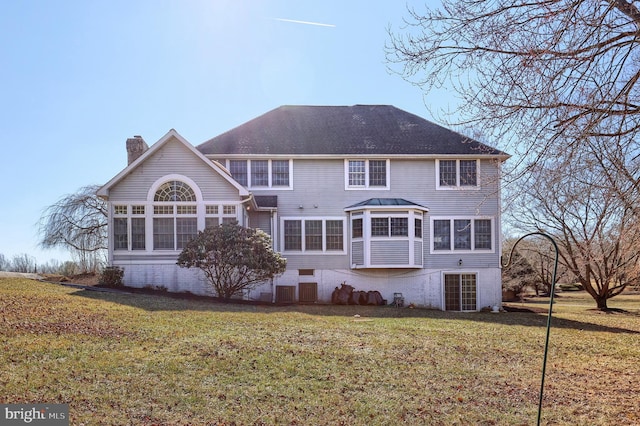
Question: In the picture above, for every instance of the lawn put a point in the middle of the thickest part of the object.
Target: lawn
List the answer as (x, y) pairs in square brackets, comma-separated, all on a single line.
[(152, 360)]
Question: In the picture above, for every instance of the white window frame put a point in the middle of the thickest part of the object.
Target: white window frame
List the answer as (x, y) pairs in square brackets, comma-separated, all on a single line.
[(128, 215), (367, 214), (462, 294), (452, 249), (458, 186), (270, 184), (366, 185), (324, 220)]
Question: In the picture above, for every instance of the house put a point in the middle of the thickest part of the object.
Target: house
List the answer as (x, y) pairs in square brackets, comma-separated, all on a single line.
[(370, 195)]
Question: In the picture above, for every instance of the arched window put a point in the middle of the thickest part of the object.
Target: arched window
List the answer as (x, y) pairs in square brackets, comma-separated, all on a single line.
[(175, 216), (173, 191)]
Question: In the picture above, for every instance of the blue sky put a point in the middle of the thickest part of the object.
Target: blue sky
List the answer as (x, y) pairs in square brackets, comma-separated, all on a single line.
[(77, 78)]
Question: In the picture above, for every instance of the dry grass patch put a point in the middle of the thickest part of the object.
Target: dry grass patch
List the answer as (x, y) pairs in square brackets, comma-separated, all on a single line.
[(137, 359)]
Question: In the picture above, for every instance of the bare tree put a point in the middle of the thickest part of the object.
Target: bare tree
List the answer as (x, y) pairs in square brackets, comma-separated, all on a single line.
[(595, 231), (539, 76), (532, 266), (518, 275), (23, 263), (4, 263), (78, 223)]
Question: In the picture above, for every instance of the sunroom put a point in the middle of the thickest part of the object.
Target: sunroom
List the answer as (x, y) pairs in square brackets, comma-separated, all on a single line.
[(386, 233)]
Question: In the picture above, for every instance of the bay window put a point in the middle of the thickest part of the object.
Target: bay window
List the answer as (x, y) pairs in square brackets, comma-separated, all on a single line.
[(386, 233)]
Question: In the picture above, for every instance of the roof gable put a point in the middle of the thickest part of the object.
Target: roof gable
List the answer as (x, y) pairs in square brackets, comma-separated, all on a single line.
[(171, 135), (343, 130)]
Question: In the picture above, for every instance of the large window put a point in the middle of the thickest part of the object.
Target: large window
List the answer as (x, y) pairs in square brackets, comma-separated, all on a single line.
[(313, 235), (457, 174), (261, 173), (462, 234), (129, 227), (363, 174), (218, 214), (175, 220), (120, 233), (460, 292)]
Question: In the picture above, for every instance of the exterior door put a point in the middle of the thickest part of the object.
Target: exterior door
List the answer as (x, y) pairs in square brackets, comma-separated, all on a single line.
[(460, 292)]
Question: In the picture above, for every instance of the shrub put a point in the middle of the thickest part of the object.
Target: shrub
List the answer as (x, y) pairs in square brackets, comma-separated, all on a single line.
[(112, 276), (233, 258), (570, 287)]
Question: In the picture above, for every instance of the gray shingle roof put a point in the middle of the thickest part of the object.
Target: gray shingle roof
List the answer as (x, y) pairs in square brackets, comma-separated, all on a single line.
[(342, 130)]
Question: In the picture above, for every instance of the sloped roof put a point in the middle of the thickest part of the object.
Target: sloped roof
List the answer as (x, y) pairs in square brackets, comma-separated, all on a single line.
[(385, 202), (266, 201), (343, 130), (103, 191)]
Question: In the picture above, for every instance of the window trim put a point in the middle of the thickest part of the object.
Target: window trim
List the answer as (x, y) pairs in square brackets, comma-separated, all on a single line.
[(223, 210), (460, 275), (367, 214), (367, 177), (324, 250), (452, 220), (458, 186), (270, 172), (128, 213)]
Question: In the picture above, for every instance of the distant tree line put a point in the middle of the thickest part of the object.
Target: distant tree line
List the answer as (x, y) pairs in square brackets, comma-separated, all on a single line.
[(28, 264)]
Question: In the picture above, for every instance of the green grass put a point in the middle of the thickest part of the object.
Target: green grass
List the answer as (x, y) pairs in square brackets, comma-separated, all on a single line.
[(145, 360)]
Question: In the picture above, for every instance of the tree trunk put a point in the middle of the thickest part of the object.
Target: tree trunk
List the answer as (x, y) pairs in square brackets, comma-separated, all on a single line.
[(602, 303)]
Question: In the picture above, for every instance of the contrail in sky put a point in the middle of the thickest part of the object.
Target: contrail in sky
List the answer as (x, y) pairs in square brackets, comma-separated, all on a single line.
[(304, 22)]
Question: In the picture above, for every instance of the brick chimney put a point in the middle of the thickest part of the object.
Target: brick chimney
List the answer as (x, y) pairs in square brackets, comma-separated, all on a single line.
[(136, 146)]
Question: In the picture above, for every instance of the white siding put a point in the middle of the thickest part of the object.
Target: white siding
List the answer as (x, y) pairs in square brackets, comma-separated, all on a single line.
[(172, 158)]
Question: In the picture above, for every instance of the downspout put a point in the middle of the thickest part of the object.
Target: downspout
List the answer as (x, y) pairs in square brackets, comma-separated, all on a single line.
[(246, 208), (274, 239)]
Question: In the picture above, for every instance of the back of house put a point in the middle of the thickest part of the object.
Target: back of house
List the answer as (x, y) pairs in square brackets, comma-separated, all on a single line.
[(368, 195)]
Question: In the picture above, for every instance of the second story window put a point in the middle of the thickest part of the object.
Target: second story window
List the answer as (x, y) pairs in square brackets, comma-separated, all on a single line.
[(366, 174), (238, 169), (451, 174), (262, 173)]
